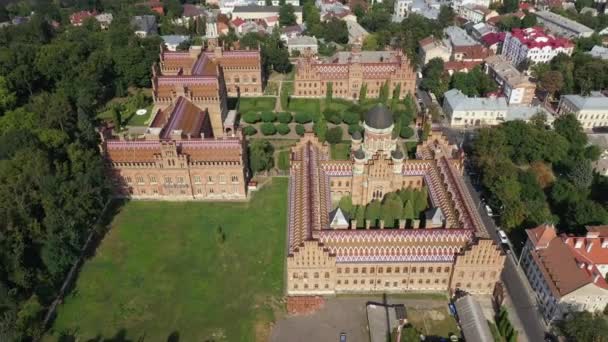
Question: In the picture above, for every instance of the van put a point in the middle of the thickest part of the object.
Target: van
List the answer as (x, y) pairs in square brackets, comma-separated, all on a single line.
[(503, 237)]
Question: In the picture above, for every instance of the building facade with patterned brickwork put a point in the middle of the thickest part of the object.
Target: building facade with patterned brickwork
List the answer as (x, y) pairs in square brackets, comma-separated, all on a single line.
[(347, 72), (207, 78), (325, 260)]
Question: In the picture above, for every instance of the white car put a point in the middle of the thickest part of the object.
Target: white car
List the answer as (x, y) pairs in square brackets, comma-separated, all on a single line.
[(503, 237), (489, 210)]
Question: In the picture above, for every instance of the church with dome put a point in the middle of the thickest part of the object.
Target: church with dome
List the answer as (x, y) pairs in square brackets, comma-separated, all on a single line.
[(331, 253)]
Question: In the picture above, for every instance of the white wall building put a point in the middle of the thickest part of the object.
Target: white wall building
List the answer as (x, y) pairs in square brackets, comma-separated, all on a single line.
[(254, 12), (533, 44), (302, 44), (516, 86), (432, 48), (567, 273), (591, 111)]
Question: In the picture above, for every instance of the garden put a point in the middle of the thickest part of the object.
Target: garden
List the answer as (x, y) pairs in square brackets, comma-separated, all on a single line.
[(197, 270), (124, 110)]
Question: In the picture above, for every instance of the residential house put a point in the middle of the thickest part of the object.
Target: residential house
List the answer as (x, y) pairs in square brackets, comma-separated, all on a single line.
[(513, 84), (144, 25), (302, 44), (334, 9), (494, 41), (479, 30), (426, 8), (534, 45), (599, 52), (476, 13), (291, 32), (153, 5), (458, 37), (433, 48), (78, 18), (567, 272), (104, 20), (190, 14), (228, 6), (562, 26), (601, 141), (591, 111)]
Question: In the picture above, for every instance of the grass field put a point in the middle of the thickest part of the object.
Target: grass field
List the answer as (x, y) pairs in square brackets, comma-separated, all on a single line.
[(432, 322), (311, 106), (256, 104), (162, 269), (340, 151)]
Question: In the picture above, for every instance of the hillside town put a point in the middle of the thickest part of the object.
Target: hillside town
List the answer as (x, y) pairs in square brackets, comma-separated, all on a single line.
[(304, 170)]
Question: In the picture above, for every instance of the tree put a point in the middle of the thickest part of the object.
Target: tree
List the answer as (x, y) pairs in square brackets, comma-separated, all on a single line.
[(446, 16), (249, 130), (251, 117), (585, 326), (320, 129), (372, 211), (383, 93), (551, 82), (510, 6), (332, 116), (370, 43), (396, 95), (260, 155), (406, 132), (284, 117), (117, 118), (287, 15), (408, 210), (268, 117), (363, 93), (8, 99), (300, 129), (434, 77), (303, 118), (354, 128), (334, 135), (335, 30), (350, 118), (580, 4), (329, 93), (268, 128), (274, 54), (529, 20), (283, 129), (346, 204)]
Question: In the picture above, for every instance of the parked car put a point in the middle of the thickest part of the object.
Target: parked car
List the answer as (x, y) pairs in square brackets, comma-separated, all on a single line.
[(503, 237), (489, 210)]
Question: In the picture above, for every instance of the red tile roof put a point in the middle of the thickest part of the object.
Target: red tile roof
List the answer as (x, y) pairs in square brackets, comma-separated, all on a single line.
[(472, 52), (492, 38), (78, 18), (460, 65), (238, 22), (192, 11), (535, 37)]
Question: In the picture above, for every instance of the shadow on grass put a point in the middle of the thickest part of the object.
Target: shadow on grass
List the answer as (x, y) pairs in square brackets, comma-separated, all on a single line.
[(120, 336)]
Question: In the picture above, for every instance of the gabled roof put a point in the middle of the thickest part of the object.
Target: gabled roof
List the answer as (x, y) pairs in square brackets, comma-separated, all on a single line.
[(338, 219)]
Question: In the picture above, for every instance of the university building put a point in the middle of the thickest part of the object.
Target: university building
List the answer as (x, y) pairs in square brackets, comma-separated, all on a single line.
[(346, 72), (452, 251), (191, 149)]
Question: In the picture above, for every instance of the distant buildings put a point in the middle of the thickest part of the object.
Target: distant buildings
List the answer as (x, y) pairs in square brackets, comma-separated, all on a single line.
[(601, 141), (347, 72), (567, 272), (534, 45), (334, 9), (252, 13), (144, 25), (426, 8), (228, 6), (458, 50), (516, 86), (104, 19), (562, 26), (591, 111), (433, 48), (476, 13), (356, 32), (302, 44), (599, 52), (462, 110)]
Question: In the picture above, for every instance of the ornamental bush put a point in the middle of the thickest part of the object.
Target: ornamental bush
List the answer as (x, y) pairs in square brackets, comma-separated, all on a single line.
[(354, 128), (350, 118), (283, 129), (268, 128), (300, 129), (268, 117), (334, 135), (251, 117), (249, 130), (284, 117), (332, 116), (303, 118), (406, 132)]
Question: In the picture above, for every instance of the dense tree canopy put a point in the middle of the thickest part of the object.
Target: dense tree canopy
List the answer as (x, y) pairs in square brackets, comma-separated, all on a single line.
[(52, 186), (534, 175)]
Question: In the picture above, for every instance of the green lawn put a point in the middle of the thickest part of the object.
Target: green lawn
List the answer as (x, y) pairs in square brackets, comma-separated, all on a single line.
[(256, 104), (163, 269), (340, 151), (435, 322), (311, 106)]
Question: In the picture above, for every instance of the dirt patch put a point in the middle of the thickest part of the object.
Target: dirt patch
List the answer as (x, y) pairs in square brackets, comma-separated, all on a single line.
[(304, 305), (435, 315)]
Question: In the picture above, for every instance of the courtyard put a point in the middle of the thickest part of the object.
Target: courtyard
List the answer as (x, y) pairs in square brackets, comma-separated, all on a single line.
[(196, 270)]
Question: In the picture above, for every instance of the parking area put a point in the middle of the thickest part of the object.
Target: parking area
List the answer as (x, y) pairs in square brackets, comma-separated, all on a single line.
[(346, 314)]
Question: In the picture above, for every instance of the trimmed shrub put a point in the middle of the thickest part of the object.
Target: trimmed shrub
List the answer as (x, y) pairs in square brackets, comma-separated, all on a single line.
[(268, 128), (283, 129), (350, 118), (251, 117), (334, 135), (303, 118), (249, 130), (268, 117), (300, 129), (284, 117), (406, 132), (332, 116), (354, 128)]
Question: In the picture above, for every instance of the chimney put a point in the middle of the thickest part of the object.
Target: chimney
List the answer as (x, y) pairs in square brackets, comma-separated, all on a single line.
[(401, 223), (381, 224), (353, 224), (367, 223)]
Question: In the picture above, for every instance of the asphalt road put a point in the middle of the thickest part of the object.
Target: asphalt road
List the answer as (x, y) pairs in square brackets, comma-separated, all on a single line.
[(513, 278)]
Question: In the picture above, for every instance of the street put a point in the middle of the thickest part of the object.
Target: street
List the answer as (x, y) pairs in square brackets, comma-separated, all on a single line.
[(515, 281)]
